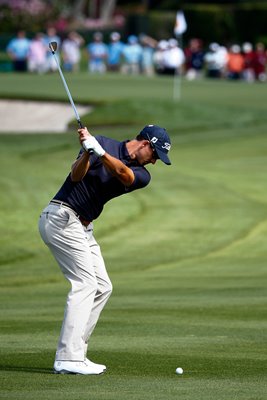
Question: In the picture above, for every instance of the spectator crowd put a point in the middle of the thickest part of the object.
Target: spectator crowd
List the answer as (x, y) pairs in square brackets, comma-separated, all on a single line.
[(139, 55)]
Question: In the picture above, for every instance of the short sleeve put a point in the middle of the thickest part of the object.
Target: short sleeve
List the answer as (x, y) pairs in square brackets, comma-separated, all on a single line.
[(141, 178)]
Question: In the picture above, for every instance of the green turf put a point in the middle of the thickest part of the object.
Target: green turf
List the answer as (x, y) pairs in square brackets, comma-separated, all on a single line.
[(187, 255)]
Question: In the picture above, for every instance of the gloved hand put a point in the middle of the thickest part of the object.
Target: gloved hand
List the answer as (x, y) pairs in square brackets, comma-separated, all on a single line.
[(91, 144)]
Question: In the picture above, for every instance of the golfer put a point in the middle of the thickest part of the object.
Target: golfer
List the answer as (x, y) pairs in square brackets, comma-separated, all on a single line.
[(104, 169)]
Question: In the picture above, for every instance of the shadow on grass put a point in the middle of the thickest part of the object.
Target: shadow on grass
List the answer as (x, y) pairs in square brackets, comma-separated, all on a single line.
[(26, 369)]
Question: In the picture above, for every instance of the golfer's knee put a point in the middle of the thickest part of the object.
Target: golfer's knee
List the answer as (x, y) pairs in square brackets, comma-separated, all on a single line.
[(110, 288), (106, 290), (85, 285)]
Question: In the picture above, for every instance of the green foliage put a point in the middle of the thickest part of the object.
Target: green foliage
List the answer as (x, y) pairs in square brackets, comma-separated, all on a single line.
[(186, 255), (29, 15), (225, 23)]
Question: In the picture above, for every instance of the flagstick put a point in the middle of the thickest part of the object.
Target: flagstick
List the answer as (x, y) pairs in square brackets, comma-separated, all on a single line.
[(177, 79), (179, 28)]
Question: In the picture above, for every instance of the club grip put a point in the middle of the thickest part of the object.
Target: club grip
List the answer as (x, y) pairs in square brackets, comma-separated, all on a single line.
[(80, 124)]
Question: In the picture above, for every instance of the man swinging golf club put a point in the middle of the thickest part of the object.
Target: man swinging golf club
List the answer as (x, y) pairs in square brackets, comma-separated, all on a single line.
[(104, 169)]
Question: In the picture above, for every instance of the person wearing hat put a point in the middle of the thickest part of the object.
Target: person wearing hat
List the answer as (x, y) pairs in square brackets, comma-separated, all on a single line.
[(174, 58), (160, 56), (235, 63), (104, 169), (212, 61), (249, 57), (115, 49), (132, 56), (97, 52)]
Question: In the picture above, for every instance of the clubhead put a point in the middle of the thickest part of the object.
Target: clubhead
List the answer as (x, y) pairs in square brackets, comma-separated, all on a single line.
[(53, 46)]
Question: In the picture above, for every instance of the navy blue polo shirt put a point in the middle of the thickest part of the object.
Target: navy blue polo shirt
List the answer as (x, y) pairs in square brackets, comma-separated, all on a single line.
[(98, 186)]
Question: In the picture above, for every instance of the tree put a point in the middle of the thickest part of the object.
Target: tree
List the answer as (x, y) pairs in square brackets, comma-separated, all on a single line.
[(97, 9)]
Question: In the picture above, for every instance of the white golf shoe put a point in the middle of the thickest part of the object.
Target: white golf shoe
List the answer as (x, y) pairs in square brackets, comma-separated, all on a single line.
[(77, 367), (94, 365)]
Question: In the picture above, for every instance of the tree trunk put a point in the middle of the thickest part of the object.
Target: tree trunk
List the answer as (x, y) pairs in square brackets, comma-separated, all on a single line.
[(107, 9), (78, 8)]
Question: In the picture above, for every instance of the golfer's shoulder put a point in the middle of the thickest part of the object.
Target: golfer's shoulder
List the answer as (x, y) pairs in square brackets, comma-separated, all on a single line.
[(105, 139), (108, 143), (142, 176)]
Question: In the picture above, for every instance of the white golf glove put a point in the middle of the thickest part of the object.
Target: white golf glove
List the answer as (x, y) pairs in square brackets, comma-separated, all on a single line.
[(92, 144)]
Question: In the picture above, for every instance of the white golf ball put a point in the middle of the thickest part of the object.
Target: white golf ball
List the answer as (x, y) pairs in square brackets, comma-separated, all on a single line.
[(179, 371)]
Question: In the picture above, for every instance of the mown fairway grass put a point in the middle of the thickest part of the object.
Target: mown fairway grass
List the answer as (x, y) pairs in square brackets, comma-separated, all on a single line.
[(187, 255)]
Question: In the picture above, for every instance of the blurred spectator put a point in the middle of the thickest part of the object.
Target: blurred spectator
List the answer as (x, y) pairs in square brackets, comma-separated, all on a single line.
[(249, 56), (71, 52), (194, 55), (132, 56), (173, 58), (115, 49), (222, 59), (235, 63), (37, 54), (147, 62), (51, 36), (159, 56), (97, 53), (18, 51), (260, 61), (213, 61)]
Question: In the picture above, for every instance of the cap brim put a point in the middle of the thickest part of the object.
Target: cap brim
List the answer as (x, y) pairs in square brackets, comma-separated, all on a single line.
[(163, 156)]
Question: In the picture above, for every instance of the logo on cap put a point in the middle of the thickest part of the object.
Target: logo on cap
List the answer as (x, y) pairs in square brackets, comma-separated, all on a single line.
[(167, 146), (159, 140)]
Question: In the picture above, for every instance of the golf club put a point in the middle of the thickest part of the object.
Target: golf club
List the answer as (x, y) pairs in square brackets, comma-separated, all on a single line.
[(53, 48)]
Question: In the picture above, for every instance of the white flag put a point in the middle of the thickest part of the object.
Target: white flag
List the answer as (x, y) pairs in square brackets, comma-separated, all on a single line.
[(180, 24)]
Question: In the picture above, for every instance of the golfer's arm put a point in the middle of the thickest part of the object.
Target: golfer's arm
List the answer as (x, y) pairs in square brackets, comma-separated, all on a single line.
[(80, 167), (124, 174)]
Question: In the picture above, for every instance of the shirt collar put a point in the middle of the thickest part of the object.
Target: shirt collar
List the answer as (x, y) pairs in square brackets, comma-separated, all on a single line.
[(124, 154)]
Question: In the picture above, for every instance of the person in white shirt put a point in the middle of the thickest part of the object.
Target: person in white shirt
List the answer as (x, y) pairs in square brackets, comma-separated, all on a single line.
[(51, 36), (215, 60), (173, 58), (71, 51)]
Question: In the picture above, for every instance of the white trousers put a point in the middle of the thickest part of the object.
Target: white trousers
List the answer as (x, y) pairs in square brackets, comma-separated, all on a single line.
[(79, 257)]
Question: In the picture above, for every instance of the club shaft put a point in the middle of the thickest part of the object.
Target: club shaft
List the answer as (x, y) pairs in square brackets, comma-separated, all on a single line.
[(68, 92)]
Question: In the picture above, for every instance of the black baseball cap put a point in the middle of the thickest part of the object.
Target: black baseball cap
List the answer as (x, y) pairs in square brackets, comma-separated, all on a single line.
[(159, 140)]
